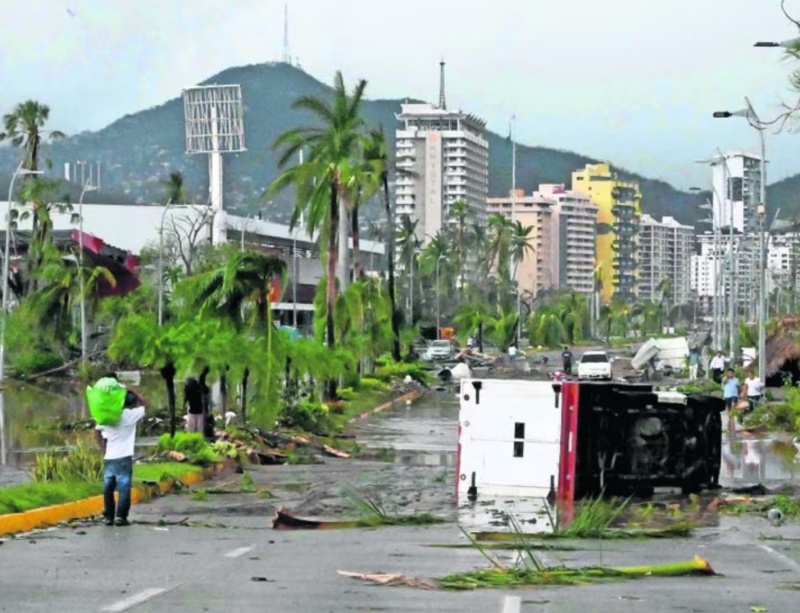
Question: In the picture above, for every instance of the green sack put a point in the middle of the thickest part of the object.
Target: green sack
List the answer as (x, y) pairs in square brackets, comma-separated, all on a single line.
[(106, 398)]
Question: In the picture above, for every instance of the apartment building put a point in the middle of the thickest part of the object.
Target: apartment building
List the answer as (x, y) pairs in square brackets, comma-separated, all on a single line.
[(562, 236), (665, 250), (736, 187), (619, 209), (573, 238), (533, 211), (442, 157)]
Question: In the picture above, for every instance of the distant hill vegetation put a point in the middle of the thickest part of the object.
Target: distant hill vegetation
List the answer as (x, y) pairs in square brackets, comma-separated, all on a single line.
[(139, 150)]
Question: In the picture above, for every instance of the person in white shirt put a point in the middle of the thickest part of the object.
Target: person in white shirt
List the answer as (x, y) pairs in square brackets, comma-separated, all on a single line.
[(717, 365), (754, 389), (117, 443)]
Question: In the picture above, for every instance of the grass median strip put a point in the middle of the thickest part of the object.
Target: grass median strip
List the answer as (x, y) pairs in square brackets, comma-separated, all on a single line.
[(38, 494)]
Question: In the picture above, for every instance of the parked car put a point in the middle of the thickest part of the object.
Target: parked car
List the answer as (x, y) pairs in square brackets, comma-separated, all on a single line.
[(594, 365), (439, 350)]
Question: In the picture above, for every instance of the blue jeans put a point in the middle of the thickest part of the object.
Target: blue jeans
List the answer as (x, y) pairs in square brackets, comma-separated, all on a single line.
[(118, 475)]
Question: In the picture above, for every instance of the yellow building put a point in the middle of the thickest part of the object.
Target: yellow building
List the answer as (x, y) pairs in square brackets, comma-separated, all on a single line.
[(618, 211)]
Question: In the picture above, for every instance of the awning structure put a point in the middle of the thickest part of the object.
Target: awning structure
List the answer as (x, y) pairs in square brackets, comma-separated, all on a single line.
[(122, 264)]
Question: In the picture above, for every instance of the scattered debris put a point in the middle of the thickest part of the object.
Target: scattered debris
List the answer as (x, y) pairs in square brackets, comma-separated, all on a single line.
[(535, 573)]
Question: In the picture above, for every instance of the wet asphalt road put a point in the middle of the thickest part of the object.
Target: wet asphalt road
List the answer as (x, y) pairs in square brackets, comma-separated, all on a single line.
[(243, 565)]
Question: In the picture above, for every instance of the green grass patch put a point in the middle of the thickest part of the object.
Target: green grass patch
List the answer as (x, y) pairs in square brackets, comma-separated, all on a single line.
[(27, 496), (158, 471)]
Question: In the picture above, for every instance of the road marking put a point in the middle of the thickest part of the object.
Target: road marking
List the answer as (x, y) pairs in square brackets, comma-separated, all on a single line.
[(238, 552), (512, 604), (137, 599), (785, 559)]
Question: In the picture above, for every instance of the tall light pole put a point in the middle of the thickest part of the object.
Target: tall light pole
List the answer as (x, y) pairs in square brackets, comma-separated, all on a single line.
[(87, 187), (514, 219), (438, 298), (161, 264), (6, 256), (755, 122)]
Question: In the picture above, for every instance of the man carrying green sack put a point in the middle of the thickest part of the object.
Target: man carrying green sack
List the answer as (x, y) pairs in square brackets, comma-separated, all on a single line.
[(117, 442)]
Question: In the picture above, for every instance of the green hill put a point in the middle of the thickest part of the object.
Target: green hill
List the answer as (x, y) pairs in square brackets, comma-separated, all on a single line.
[(139, 150)]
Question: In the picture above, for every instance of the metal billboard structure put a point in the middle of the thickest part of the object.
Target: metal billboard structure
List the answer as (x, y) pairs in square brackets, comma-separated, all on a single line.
[(214, 122)]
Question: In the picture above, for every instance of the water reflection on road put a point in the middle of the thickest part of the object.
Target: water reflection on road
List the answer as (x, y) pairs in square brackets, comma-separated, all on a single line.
[(749, 460), (424, 433)]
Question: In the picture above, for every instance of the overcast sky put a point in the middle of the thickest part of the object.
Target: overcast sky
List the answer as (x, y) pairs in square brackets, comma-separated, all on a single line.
[(630, 81)]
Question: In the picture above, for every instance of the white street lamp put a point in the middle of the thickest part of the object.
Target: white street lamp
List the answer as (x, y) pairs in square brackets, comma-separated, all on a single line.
[(6, 256), (755, 122), (86, 188), (786, 44), (161, 264)]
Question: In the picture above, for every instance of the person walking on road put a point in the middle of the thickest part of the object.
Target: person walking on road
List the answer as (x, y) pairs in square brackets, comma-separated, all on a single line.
[(566, 359), (193, 401), (730, 395), (117, 444), (717, 365), (754, 389), (694, 362)]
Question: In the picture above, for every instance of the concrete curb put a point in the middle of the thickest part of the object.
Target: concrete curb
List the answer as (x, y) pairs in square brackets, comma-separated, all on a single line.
[(89, 507), (407, 397)]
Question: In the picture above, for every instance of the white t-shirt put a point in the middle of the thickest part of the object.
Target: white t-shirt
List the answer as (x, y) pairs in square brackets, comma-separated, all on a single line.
[(717, 362), (120, 439), (754, 386)]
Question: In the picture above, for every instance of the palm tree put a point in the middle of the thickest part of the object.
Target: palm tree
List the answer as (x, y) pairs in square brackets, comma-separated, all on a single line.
[(377, 158), (322, 181), (408, 244), (460, 214), (247, 276), (521, 244), (174, 188), (24, 128)]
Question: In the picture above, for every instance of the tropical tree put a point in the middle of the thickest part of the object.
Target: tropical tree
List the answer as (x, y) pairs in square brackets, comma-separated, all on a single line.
[(321, 182), (24, 127), (227, 292), (460, 215), (408, 244), (174, 188), (377, 158)]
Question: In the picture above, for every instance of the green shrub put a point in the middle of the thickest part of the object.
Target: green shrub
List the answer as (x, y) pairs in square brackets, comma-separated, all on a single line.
[(307, 415), (192, 444), (700, 386), (346, 393), (369, 384), (399, 370), (84, 464), (32, 362)]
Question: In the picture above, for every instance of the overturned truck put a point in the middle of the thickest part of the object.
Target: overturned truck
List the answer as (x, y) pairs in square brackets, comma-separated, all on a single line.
[(571, 440)]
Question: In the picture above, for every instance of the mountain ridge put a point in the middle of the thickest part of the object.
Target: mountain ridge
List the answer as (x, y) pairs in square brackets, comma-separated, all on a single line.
[(138, 150)]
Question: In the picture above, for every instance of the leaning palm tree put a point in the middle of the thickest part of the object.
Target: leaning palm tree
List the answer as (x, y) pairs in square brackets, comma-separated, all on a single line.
[(225, 292), (321, 181)]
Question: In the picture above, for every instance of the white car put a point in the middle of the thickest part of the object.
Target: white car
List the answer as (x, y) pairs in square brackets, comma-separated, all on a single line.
[(594, 365), (439, 350)]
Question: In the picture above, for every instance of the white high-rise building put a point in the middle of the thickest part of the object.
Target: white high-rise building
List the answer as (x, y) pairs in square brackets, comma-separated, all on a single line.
[(442, 157), (736, 184), (665, 249)]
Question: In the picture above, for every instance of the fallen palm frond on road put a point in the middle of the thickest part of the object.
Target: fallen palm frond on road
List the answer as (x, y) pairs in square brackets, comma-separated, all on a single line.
[(286, 520), (525, 575)]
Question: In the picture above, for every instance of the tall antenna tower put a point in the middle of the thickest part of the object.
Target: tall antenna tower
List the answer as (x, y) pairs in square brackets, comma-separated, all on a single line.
[(287, 56), (442, 101)]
